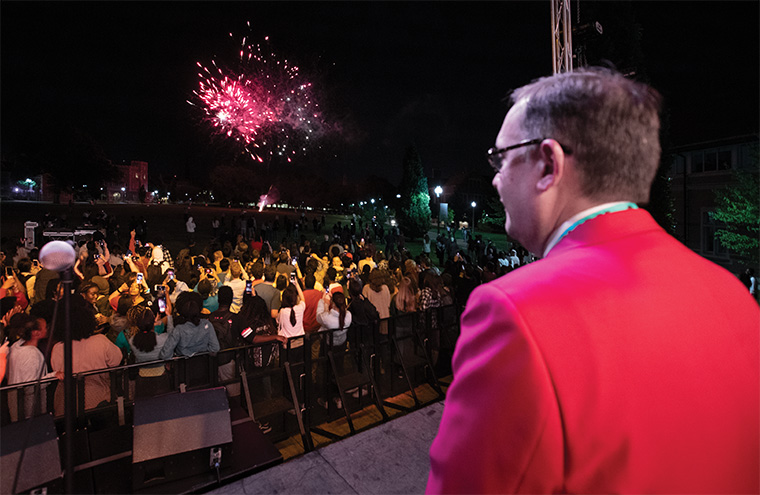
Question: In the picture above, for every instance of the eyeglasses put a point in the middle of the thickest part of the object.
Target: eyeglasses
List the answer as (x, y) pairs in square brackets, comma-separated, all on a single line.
[(494, 154)]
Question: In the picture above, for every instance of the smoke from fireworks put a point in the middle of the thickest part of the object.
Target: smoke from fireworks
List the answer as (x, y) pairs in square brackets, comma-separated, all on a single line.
[(270, 198), (265, 104)]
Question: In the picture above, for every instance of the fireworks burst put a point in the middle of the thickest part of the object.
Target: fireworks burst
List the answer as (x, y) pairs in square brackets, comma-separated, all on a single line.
[(266, 104), (270, 198)]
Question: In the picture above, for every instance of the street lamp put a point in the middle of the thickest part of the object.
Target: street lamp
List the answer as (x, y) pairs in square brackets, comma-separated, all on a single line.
[(438, 190), (473, 204)]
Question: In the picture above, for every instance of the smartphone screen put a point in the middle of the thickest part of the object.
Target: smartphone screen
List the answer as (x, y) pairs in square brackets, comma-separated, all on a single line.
[(139, 277), (162, 304), (248, 287), (295, 261), (35, 263), (171, 274), (8, 271)]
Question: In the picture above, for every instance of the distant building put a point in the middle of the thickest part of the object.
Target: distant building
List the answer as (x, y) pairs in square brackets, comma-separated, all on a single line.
[(134, 177), (697, 171)]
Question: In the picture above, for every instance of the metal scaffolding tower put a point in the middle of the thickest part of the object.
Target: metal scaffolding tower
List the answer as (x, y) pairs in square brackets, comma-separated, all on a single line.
[(562, 37)]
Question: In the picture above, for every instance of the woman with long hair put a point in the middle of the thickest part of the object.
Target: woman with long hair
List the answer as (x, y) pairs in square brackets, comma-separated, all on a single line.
[(290, 318), (133, 288), (90, 351), (405, 300), (332, 315), (146, 346), (189, 334), (412, 271), (362, 311), (404, 312), (379, 295), (254, 324)]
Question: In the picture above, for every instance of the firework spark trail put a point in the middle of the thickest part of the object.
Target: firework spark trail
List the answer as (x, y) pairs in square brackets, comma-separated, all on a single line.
[(270, 198), (266, 104)]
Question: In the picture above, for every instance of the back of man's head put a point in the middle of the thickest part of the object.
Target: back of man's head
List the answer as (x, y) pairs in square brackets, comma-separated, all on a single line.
[(270, 272), (609, 123), (225, 296), (331, 275), (224, 264), (282, 282), (257, 270), (312, 264), (309, 281)]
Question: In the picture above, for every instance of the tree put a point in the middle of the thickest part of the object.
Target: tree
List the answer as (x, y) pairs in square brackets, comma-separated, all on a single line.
[(71, 156), (496, 216), (414, 213), (737, 208)]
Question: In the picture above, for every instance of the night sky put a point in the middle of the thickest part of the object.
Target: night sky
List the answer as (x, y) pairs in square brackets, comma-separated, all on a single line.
[(387, 74)]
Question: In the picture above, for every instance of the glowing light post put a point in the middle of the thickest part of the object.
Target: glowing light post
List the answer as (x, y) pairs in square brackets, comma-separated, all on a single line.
[(473, 204), (438, 190)]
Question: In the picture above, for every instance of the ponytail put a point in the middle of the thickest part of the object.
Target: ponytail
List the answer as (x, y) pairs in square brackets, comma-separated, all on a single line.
[(339, 300)]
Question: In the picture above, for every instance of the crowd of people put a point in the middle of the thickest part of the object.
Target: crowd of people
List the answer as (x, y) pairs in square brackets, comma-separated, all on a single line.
[(141, 303)]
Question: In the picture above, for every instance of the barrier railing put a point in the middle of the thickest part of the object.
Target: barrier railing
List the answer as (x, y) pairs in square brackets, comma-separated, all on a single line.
[(299, 390)]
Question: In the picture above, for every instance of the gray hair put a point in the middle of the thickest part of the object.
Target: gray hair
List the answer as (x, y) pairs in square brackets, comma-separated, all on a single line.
[(610, 123)]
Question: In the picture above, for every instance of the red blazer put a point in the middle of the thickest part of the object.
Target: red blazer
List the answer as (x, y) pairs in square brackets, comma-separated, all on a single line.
[(622, 362)]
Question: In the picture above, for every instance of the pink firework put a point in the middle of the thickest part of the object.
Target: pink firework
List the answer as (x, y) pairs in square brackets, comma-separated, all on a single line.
[(266, 105), (270, 198)]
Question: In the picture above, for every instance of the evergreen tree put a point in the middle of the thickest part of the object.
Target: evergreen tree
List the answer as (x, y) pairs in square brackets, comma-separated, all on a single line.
[(414, 213)]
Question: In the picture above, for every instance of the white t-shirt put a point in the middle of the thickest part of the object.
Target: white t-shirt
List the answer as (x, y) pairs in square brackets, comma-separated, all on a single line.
[(238, 291), (24, 365), (288, 330)]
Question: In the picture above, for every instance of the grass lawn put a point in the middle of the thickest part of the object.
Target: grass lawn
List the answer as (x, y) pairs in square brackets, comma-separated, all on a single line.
[(168, 221)]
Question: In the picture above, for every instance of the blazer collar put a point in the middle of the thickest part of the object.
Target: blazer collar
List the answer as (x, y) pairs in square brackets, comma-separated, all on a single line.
[(605, 228)]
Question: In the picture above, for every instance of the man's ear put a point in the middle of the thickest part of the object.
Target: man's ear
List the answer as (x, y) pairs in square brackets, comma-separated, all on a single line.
[(552, 164)]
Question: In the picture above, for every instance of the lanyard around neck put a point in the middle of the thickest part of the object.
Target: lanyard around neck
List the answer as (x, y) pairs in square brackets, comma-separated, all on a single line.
[(610, 209)]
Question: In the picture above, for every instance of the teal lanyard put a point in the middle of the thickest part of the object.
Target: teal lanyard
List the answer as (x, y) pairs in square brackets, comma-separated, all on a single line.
[(611, 209)]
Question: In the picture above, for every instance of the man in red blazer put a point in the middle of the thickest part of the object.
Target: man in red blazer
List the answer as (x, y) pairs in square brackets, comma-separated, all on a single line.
[(621, 362)]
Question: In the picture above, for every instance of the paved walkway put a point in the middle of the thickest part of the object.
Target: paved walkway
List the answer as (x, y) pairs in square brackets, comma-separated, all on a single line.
[(390, 458)]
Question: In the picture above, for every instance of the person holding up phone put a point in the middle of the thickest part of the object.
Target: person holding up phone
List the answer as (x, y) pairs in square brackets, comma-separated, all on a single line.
[(238, 284), (207, 287), (174, 286), (146, 345), (12, 287), (133, 288), (285, 264)]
